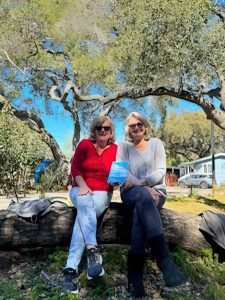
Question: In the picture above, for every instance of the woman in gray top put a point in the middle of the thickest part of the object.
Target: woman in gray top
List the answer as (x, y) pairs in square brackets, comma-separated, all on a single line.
[(144, 192)]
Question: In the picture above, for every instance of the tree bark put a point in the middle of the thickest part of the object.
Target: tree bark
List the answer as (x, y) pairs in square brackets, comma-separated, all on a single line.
[(217, 116), (55, 229)]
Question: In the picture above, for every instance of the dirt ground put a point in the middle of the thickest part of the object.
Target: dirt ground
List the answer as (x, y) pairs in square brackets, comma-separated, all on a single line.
[(171, 191)]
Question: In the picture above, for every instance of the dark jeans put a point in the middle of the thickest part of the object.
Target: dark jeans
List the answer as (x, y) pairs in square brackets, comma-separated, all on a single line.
[(145, 216)]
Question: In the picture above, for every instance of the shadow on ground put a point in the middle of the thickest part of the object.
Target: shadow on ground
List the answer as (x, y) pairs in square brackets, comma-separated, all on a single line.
[(211, 202)]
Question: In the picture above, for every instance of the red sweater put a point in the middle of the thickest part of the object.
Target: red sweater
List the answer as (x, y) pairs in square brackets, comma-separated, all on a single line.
[(94, 168)]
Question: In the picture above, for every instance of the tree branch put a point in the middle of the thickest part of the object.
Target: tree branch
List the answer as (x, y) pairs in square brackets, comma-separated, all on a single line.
[(18, 68), (32, 54), (134, 93), (36, 124), (107, 111), (219, 13)]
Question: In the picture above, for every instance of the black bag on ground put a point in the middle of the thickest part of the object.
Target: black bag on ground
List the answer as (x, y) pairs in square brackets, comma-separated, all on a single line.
[(212, 227)]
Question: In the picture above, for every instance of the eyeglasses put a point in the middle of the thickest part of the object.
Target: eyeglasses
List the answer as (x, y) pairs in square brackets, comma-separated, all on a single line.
[(139, 125), (105, 128)]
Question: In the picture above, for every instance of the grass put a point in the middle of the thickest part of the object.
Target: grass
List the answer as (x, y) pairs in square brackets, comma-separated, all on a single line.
[(207, 275), (207, 278), (196, 204)]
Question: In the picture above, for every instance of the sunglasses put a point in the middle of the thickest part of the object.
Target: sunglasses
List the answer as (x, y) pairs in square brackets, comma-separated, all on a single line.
[(105, 128), (139, 125)]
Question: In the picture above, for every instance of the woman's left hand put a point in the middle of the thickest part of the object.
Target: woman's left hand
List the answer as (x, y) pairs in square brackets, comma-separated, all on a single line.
[(154, 194)]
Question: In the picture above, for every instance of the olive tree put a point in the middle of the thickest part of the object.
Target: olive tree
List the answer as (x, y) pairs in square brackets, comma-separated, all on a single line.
[(187, 137), (20, 152)]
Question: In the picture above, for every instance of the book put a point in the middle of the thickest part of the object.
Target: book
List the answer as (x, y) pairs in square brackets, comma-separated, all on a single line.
[(118, 172)]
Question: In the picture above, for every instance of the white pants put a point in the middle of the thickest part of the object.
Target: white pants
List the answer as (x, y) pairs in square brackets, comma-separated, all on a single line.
[(89, 208)]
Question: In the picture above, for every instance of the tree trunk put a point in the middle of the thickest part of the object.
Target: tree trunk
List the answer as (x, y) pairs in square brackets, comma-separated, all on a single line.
[(35, 123), (55, 229)]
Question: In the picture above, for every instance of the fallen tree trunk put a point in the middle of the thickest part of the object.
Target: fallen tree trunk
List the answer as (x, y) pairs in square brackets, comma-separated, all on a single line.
[(55, 229)]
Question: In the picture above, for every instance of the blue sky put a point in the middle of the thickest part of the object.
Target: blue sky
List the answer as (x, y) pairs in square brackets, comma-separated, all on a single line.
[(61, 127), (60, 124), (183, 106)]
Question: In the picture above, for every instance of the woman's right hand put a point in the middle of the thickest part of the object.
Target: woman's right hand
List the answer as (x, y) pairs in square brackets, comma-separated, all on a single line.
[(84, 191), (134, 182), (84, 188)]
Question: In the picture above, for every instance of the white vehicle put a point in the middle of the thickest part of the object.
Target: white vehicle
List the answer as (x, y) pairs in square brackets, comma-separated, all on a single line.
[(203, 181)]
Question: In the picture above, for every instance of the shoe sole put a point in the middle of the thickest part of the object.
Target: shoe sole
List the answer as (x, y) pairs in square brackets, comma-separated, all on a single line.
[(177, 284), (99, 275)]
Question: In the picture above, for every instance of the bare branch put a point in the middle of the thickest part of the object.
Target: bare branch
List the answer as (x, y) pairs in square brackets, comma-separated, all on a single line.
[(101, 37), (32, 54), (134, 93), (54, 96), (111, 107), (18, 68), (221, 14), (48, 278)]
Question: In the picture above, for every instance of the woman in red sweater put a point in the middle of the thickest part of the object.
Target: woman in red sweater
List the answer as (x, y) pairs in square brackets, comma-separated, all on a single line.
[(91, 195)]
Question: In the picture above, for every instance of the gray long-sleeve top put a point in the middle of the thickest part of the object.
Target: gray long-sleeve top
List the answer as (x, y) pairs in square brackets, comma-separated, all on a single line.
[(149, 164)]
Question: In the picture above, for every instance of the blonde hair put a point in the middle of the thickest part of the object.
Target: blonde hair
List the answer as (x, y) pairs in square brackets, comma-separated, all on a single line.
[(98, 121), (140, 118)]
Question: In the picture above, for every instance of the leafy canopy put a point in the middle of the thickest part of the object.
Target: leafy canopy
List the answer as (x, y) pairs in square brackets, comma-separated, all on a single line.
[(162, 42), (20, 151), (188, 137)]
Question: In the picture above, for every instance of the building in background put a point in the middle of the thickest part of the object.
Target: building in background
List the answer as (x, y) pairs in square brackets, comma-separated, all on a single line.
[(204, 166)]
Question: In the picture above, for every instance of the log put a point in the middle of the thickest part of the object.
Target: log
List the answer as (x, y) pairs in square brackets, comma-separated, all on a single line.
[(181, 230), (55, 229)]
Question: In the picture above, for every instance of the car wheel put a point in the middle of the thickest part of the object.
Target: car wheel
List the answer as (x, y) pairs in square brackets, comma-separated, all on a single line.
[(181, 184), (203, 185)]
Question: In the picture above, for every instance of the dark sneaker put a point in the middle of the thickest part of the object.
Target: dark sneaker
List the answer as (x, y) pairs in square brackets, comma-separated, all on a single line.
[(69, 281), (94, 264), (172, 275)]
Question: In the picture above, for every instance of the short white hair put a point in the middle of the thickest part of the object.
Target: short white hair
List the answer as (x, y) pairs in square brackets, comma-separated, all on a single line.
[(148, 130)]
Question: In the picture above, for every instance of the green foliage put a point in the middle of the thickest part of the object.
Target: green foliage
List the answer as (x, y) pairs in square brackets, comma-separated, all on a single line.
[(9, 289), (215, 292), (218, 270), (180, 296), (51, 179), (114, 44), (27, 283), (116, 261), (24, 24), (159, 41), (187, 137), (181, 257), (82, 27), (20, 152), (162, 43), (57, 259)]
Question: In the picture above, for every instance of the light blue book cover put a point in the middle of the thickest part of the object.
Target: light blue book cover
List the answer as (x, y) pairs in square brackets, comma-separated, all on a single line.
[(118, 172)]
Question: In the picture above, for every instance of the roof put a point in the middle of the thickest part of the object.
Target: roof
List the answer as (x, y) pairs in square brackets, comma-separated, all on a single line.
[(173, 167), (202, 159)]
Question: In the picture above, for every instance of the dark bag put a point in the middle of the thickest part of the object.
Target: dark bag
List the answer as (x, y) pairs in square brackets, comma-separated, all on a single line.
[(212, 227)]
